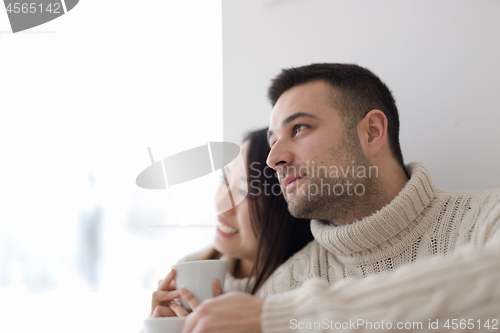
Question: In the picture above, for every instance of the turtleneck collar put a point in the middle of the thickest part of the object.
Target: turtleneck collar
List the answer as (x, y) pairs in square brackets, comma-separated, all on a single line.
[(234, 284), (386, 232)]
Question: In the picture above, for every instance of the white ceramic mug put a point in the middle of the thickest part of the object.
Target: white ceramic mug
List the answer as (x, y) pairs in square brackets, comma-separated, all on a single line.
[(198, 277), (164, 324)]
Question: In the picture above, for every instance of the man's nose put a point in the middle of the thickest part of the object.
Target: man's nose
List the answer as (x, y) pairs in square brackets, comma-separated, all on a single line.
[(280, 156)]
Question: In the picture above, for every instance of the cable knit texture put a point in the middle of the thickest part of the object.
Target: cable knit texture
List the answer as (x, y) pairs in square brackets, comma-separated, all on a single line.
[(453, 239)]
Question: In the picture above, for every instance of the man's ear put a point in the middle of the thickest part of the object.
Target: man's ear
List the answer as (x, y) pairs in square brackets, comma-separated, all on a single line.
[(372, 132)]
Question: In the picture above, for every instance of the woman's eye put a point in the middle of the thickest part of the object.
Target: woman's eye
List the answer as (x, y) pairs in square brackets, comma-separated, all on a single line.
[(243, 193)]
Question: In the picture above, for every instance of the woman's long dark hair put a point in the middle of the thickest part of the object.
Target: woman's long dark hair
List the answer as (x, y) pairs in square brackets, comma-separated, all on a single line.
[(280, 235)]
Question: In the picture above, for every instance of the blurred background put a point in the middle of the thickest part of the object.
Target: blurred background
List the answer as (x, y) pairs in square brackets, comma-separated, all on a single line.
[(81, 97)]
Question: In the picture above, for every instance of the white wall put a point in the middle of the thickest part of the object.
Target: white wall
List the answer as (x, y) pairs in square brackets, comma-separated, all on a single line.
[(439, 58)]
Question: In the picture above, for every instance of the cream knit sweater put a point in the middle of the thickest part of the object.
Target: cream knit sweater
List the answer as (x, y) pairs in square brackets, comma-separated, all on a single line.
[(428, 255)]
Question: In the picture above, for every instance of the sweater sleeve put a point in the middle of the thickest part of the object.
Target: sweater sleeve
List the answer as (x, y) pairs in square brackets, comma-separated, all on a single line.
[(463, 285)]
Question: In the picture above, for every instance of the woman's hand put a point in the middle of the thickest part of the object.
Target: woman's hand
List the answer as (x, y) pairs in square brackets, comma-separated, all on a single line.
[(191, 300), (163, 304), (163, 296)]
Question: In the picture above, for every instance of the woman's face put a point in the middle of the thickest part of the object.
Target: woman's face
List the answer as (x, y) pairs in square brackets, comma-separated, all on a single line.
[(235, 236)]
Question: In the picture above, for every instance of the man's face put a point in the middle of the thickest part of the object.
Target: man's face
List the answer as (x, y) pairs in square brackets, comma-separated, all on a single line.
[(318, 162)]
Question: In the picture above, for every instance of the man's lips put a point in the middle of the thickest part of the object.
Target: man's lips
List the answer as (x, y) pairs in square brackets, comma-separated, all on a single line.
[(290, 180)]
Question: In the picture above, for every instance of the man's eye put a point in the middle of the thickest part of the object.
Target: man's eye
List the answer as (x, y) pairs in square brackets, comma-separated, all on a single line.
[(298, 128)]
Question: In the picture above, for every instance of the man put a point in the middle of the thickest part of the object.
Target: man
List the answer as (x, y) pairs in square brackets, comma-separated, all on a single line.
[(391, 251)]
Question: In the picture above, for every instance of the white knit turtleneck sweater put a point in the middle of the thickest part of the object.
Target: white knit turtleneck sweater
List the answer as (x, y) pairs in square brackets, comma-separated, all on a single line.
[(362, 271)]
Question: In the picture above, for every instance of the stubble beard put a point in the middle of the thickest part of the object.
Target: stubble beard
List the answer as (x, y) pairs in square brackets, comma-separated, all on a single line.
[(331, 205)]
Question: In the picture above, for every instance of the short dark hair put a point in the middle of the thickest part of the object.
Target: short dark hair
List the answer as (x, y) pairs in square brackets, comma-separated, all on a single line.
[(356, 92)]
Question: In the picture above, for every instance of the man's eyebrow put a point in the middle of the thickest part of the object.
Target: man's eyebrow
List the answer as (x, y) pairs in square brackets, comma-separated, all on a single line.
[(296, 115), (289, 119)]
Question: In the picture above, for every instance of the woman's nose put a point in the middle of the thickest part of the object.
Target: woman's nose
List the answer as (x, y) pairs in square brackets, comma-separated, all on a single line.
[(223, 202)]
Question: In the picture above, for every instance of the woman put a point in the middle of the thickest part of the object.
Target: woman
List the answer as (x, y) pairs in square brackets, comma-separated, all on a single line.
[(256, 236)]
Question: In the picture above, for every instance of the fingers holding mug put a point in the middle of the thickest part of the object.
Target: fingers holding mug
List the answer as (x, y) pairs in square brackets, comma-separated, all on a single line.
[(216, 287), (168, 282), (162, 311), (164, 294), (178, 309), (189, 298)]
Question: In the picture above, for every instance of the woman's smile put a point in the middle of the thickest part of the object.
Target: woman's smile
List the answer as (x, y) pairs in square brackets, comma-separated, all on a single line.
[(225, 230)]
